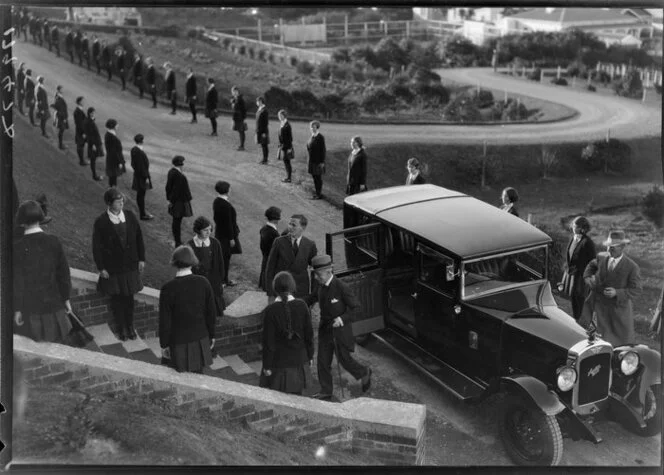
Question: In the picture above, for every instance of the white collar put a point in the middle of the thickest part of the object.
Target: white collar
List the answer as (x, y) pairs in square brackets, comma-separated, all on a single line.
[(261, 107), (290, 298), (138, 145), (183, 272), (272, 225), (356, 151), (616, 259), (189, 75), (177, 168), (315, 133), (34, 230), (111, 131), (225, 197), (79, 107), (198, 242), (210, 87), (327, 284), (298, 240), (116, 218), (284, 122)]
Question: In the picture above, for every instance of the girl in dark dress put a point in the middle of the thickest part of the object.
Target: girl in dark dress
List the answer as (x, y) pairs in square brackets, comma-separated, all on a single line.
[(416, 171), (356, 178), (287, 338), (580, 251), (509, 196), (207, 250), (41, 280), (186, 316), (119, 253)]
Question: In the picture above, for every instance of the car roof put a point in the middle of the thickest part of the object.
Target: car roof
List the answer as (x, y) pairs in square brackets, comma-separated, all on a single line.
[(461, 224)]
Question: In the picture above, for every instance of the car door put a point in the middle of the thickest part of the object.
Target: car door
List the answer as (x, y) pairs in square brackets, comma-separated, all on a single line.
[(355, 258)]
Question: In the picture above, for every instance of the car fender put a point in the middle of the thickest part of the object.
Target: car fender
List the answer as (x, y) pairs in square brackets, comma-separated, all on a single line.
[(534, 390), (651, 361)]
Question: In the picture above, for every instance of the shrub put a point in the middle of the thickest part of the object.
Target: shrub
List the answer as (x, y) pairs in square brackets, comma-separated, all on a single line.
[(577, 69), (461, 110), (591, 88), (325, 70), (513, 110), (481, 99), (342, 71), (262, 55), (333, 104), (364, 53), (293, 61), (432, 96), (305, 68), (535, 74), (652, 206), (226, 42), (559, 81), (376, 75), (192, 33), (242, 49), (400, 78), (401, 91), (630, 85), (341, 55), (271, 58), (601, 76), (251, 53), (378, 101), (305, 102), (423, 76), (613, 155), (279, 98)]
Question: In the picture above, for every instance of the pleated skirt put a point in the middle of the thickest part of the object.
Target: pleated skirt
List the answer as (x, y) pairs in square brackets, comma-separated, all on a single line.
[(52, 327), (288, 380), (191, 357)]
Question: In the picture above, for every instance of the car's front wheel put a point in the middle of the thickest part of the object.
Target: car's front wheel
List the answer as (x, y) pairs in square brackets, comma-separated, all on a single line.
[(530, 436), (652, 412)]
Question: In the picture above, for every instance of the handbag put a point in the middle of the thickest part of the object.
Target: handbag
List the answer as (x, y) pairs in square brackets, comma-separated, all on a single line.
[(78, 336), (237, 248)]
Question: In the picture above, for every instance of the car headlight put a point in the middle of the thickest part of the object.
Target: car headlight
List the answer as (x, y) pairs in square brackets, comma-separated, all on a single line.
[(629, 362), (566, 378)]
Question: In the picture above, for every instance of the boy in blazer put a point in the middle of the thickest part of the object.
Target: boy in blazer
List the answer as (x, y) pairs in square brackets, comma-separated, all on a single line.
[(268, 233), (115, 162), (262, 122), (93, 139), (316, 150), (335, 331), (211, 101), (169, 77), (142, 181), (292, 252), (178, 195), (191, 90), (226, 229), (286, 152), (79, 123), (151, 80)]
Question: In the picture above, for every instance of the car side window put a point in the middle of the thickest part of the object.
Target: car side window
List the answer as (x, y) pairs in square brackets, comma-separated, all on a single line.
[(399, 247), (437, 270)]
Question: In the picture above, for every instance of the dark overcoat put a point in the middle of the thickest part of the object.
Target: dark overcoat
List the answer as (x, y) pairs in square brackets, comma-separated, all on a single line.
[(141, 166), (282, 257), (114, 156), (316, 150)]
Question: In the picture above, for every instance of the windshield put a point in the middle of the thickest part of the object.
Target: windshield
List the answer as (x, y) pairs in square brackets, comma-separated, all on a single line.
[(490, 274)]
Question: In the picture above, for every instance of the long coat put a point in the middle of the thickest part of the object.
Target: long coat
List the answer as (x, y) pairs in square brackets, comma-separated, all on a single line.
[(79, 123), (178, 193), (316, 150), (61, 114), (141, 167), (334, 301), (29, 90), (285, 139), (93, 138), (279, 351), (575, 264), (615, 320), (170, 83), (268, 235), (282, 257), (357, 171), (225, 223), (42, 102), (191, 88), (213, 270), (262, 123), (239, 111), (211, 102), (108, 250), (114, 157)]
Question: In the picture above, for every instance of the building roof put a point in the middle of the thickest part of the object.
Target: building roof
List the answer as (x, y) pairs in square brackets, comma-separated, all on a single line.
[(462, 225), (573, 15)]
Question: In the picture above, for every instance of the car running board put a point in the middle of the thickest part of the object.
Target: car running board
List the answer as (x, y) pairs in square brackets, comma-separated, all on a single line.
[(456, 383)]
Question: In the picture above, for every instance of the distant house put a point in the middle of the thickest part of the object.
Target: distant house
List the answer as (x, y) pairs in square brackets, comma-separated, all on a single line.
[(105, 15)]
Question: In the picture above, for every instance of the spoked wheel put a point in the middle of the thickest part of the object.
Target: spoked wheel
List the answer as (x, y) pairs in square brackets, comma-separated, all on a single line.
[(652, 412), (530, 436)]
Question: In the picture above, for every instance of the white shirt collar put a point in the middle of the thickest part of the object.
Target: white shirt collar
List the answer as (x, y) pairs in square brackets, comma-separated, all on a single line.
[(298, 240), (138, 145), (261, 107), (189, 75), (616, 260), (272, 225), (210, 87), (116, 218), (198, 242), (327, 284), (183, 272), (34, 230), (290, 297), (79, 107), (112, 131), (225, 197)]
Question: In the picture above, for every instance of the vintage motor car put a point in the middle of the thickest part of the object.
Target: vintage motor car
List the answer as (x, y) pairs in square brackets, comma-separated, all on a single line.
[(461, 289)]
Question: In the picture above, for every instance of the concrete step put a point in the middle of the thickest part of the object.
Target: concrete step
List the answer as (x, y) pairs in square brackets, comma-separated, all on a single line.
[(237, 365), (103, 334)]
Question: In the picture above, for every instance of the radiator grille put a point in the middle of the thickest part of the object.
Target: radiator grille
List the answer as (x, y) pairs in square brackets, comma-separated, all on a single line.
[(594, 378)]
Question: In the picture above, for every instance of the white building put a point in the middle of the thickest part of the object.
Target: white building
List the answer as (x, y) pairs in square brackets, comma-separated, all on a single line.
[(120, 16)]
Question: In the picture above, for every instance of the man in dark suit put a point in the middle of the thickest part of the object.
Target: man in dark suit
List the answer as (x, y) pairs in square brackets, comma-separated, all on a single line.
[(79, 123), (85, 49), (120, 63), (115, 162), (93, 139), (211, 101), (78, 39), (137, 74), (106, 59), (55, 38), (239, 114), (226, 229), (316, 150), (30, 99), (151, 80), (96, 52), (191, 89), (142, 181), (178, 195), (292, 252), (42, 105), (69, 44), (335, 331), (169, 77), (286, 152), (262, 133), (20, 87), (268, 234), (61, 120)]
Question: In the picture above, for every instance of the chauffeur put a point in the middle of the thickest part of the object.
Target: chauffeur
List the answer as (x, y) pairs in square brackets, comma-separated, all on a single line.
[(335, 332)]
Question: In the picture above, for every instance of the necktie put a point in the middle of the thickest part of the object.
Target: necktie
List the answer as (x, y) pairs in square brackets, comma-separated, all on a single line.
[(612, 264), (295, 246)]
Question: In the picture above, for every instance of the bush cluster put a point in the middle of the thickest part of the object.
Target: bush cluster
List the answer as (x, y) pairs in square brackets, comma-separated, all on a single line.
[(559, 81), (613, 155), (630, 85), (509, 111), (652, 206)]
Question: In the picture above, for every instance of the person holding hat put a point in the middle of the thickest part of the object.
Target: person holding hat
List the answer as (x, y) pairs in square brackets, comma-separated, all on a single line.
[(268, 234), (142, 181), (93, 139), (119, 254), (169, 78), (43, 113), (207, 250), (292, 252), (288, 339), (614, 281), (178, 196), (580, 251), (187, 315), (115, 162), (335, 331), (42, 282)]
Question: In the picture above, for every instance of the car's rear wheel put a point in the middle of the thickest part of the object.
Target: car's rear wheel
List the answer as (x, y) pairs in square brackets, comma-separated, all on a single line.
[(652, 412), (530, 436)]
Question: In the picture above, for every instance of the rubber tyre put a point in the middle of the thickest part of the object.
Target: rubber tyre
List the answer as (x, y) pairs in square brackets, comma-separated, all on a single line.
[(652, 412), (530, 437), (363, 340)]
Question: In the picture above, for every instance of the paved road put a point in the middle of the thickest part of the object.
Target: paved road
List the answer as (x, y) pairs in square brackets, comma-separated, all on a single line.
[(457, 435)]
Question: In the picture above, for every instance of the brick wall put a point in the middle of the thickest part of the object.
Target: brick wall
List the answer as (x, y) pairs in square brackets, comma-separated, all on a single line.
[(387, 432), (239, 336)]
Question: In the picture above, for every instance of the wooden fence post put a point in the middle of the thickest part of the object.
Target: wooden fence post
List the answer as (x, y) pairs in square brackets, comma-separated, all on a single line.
[(483, 176), (558, 72), (346, 29)]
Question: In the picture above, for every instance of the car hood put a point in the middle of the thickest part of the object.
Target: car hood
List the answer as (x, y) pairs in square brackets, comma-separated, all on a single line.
[(533, 310)]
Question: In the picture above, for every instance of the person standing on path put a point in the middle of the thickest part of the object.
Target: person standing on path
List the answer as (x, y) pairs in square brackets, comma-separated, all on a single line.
[(120, 63), (268, 233), (69, 44), (356, 178), (93, 139), (107, 59), (210, 260), (286, 152), (142, 181), (171, 93), (80, 137), (239, 115), (191, 89), (78, 40), (226, 228), (211, 101), (96, 52), (316, 150), (178, 195), (137, 74), (580, 251), (20, 87), (115, 161), (119, 254), (262, 132), (55, 38), (61, 120), (335, 331), (43, 113), (151, 80), (30, 97), (85, 49)]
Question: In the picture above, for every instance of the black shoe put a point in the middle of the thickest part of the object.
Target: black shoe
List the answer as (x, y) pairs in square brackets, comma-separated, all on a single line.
[(62, 147), (194, 121), (97, 178), (213, 134), (286, 180), (172, 112), (316, 197), (240, 148), (131, 333), (263, 162), (322, 396), (46, 136), (366, 381), (122, 336), (154, 106), (147, 217), (229, 283)]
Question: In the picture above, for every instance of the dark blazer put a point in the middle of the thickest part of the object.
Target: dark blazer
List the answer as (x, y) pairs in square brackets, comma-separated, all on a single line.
[(55, 34), (262, 123), (268, 235), (96, 49), (108, 250), (278, 350), (191, 88), (20, 80), (170, 82), (79, 123), (177, 187), (29, 90), (211, 101), (151, 76), (357, 171), (186, 311), (114, 157), (77, 41), (286, 136), (137, 70), (141, 167), (316, 149), (225, 220), (85, 46), (93, 138), (61, 114), (42, 102), (106, 55), (120, 63), (239, 109), (41, 274), (214, 272), (334, 300), (282, 258), (69, 41)]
